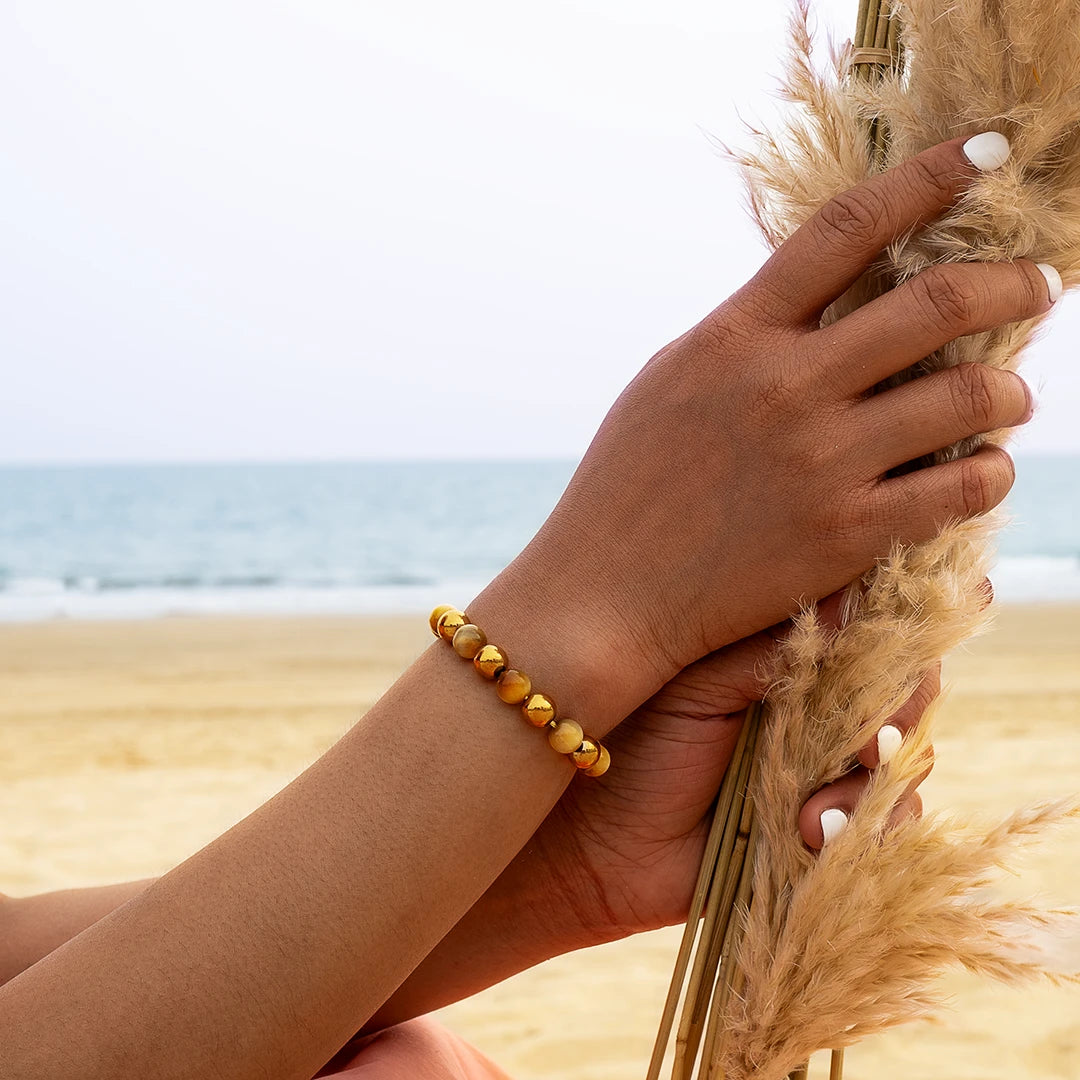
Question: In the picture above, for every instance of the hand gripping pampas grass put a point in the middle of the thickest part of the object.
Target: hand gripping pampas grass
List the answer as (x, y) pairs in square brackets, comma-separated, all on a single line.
[(800, 951)]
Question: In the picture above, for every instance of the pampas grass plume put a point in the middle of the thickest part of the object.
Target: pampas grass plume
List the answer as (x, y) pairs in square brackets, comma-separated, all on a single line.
[(851, 941)]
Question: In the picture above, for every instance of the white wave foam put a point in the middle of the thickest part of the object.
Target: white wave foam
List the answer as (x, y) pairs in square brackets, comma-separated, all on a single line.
[(33, 604), (1017, 579)]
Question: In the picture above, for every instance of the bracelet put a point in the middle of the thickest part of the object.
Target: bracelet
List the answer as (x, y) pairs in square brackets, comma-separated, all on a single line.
[(515, 688)]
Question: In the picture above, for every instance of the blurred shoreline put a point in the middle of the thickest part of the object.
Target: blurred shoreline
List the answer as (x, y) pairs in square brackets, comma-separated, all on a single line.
[(1018, 580), (368, 538)]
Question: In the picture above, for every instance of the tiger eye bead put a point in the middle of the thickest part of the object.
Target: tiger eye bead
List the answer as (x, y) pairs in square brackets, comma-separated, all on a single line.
[(602, 763), (539, 710), (449, 622), (436, 614), (469, 640), (565, 736), (490, 661), (513, 686), (587, 754)]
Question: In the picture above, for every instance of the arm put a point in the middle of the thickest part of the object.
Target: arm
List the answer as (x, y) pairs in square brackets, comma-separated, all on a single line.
[(33, 926), (506, 931), (263, 952)]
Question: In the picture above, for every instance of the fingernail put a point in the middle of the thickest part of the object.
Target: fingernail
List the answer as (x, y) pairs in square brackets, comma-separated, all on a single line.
[(889, 739), (1053, 281), (987, 151), (833, 823)]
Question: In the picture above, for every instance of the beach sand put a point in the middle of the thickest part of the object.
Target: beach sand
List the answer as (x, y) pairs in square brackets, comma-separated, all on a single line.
[(127, 746)]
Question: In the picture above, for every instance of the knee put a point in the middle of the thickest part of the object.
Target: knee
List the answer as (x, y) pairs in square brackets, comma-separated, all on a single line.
[(416, 1048)]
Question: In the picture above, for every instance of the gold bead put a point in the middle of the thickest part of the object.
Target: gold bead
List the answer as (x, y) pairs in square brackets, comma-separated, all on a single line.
[(565, 736), (468, 640), (448, 623), (433, 618), (538, 709), (602, 763), (490, 661), (587, 754)]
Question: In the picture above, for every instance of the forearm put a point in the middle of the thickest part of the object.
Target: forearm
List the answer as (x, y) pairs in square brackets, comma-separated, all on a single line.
[(262, 953), (521, 920), (31, 927), (527, 916), (513, 926)]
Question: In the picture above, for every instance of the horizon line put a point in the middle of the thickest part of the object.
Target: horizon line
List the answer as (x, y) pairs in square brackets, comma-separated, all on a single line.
[(119, 463)]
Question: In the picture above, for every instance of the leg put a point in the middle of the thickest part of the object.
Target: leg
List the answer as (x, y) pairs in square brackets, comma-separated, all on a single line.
[(416, 1048)]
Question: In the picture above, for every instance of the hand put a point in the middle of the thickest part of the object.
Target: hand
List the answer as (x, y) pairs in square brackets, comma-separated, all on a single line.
[(625, 850), (746, 467)]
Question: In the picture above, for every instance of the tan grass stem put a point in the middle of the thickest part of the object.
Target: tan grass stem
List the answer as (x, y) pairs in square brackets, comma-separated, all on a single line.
[(717, 911), (697, 903), (731, 975), (836, 1065)]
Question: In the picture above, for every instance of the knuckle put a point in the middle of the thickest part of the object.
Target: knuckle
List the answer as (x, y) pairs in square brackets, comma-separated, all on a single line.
[(910, 712), (773, 394), (949, 302), (757, 303), (839, 527), (1033, 287), (973, 397), (928, 759), (926, 174), (854, 218), (727, 332), (985, 480), (931, 684), (976, 489), (923, 697), (779, 389)]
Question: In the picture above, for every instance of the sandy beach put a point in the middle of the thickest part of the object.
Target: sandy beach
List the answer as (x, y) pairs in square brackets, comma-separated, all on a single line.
[(126, 746)]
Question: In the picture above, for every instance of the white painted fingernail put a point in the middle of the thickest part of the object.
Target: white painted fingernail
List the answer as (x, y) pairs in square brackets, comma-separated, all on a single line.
[(987, 151), (889, 739), (1053, 281), (833, 823)]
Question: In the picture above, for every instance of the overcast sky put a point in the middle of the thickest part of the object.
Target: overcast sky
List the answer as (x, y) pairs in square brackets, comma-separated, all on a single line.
[(310, 229)]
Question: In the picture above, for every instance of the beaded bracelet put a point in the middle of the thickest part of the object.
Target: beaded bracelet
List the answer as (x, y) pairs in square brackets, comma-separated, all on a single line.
[(515, 688)]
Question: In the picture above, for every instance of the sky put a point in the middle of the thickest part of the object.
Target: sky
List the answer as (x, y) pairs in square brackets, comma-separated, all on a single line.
[(310, 229)]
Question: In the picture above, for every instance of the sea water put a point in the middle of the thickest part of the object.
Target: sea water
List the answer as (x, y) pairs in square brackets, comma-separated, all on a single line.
[(133, 541)]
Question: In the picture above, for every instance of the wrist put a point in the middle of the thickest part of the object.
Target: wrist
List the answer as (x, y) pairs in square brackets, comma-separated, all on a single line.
[(573, 650)]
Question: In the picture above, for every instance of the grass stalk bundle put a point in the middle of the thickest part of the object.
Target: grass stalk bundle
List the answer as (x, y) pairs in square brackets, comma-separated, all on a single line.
[(800, 951)]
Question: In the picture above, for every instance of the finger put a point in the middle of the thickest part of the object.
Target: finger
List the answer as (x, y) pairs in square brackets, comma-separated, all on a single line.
[(929, 499), (910, 806), (938, 410), (830, 611), (882, 748), (945, 302), (826, 255), (826, 813)]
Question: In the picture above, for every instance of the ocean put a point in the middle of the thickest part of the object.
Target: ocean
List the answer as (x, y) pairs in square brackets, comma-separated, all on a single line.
[(136, 541)]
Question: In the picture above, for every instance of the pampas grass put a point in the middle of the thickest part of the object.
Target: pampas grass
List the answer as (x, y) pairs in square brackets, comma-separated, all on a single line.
[(838, 945)]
